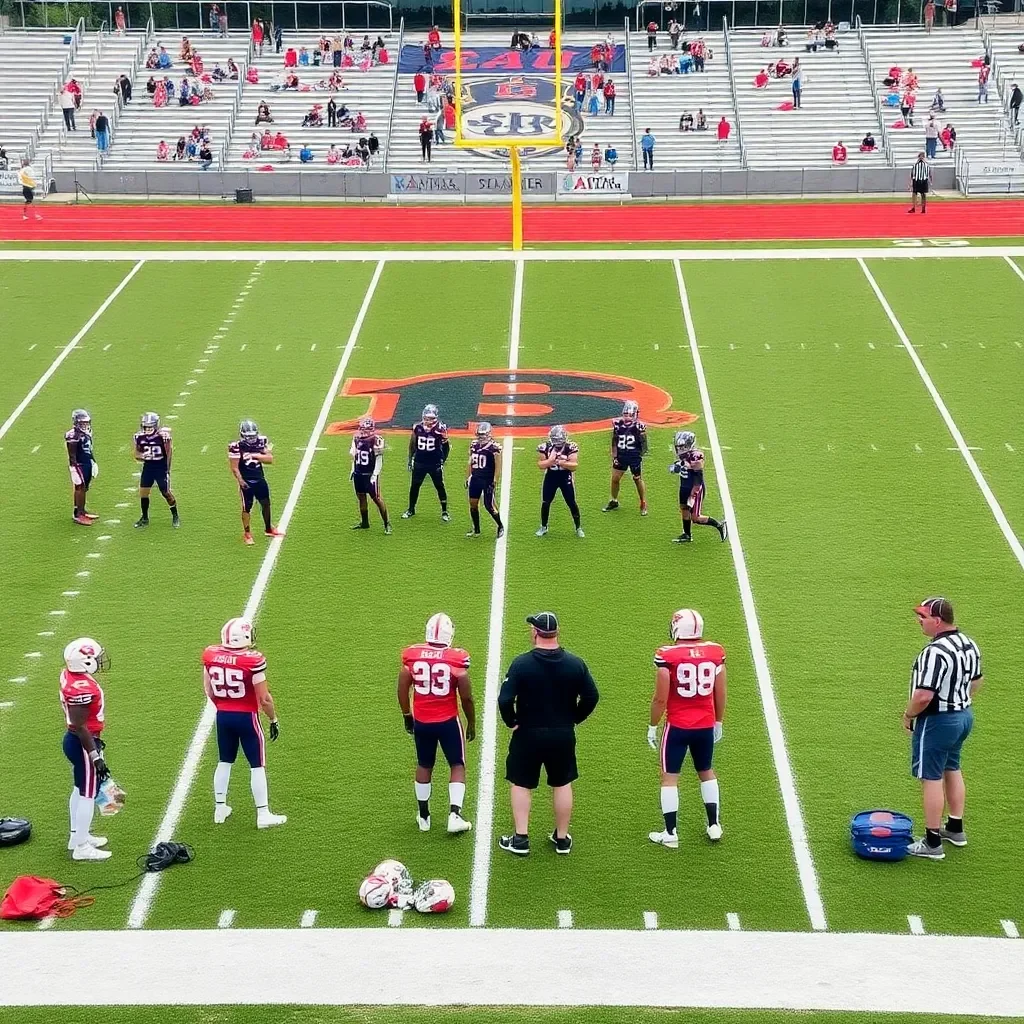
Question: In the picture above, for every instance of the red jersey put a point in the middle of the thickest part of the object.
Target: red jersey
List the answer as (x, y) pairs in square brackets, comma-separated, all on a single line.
[(232, 677), (693, 667), (435, 696), (81, 689)]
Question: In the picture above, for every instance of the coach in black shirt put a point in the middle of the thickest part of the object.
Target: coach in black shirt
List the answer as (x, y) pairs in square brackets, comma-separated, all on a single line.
[(547, 692)]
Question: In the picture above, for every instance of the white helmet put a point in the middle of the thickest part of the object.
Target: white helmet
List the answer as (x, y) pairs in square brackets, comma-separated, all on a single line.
[(375, 892), (440, 630), (399, 876), (434, 897), (686, 625), (237, 634), (85, 655)]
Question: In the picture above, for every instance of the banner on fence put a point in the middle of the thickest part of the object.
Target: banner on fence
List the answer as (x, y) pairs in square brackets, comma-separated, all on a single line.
[(574, 183), (497, 60), (427, 184)]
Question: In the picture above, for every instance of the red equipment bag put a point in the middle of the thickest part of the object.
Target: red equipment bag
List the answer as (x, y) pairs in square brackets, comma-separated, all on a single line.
[(29, 898)]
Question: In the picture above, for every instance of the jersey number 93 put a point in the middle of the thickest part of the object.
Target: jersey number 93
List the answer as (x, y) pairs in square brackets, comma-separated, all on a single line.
[(432, 678)]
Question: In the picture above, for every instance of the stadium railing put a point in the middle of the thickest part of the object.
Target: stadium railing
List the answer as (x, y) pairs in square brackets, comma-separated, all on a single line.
[(394, 94), (56, 88), (1002, 88), (883, 133), (146, 40), (732, 89), (632, 103), (236, 105)]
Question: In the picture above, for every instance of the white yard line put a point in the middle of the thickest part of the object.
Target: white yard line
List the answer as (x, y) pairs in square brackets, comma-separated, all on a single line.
[(650, 920), (226, 919), (915, 924), (1004, 524), (777, 739), (733, 922), (1010, 929), (69, 347), (484, 827), (565, 919), (327, 966), (1013, 266), (150, 883), (308, 919)]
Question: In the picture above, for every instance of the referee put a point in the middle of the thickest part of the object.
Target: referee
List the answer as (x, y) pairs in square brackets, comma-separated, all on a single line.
[(547, 692), (920, 176), (943, 680)]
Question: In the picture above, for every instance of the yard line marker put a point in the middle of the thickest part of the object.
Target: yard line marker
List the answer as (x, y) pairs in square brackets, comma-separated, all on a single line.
[(1009, 447), (189, 383), (565, 919), (58, 611), (18, 679), (777, 739), (244, 347), (1004, 524), (650, 920), (93, 554), (112, 522), (481, 875), (45, 632), (6, 703), (395, 918), (32, 346), (278, 348), (733, 921), (68, 349), (105, 536), (874, 448), (178, 405), (150, 883), (308, 919), (767, 347), (85, 572), (1010, 929), (34, 654), (123, 504), (106, 347), (70, 593), (916, 924), (871, 345), (204, 449), (173, 417), (970, 448), (37, 447), (312, 348), (918, 448), (226, 919)]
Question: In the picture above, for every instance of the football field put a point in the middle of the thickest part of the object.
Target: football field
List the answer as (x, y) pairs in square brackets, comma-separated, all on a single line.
[(863, 427)]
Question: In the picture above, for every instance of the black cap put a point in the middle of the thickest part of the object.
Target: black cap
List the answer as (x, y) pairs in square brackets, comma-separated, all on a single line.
[(545, 623)]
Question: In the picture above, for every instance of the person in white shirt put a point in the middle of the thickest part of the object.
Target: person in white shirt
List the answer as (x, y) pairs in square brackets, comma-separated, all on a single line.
[(67, 106)]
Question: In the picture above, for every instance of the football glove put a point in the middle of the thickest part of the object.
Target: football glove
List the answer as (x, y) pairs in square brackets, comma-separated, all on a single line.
[(275, 729), (408, 724), (718, 731), (470, 733), (95, 470), (101, 769), (675, 468), (409, 466), (652, 737), (76, 476)]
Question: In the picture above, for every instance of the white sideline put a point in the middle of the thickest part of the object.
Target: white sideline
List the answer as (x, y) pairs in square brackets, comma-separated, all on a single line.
[(70, 347), (1004, 524), (567, 255), (776, 737), (481, 875), (556, 967), (150, 883)]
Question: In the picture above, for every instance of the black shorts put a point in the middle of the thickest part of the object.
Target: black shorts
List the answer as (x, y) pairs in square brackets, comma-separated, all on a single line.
[(479, 488), (448, 735), (920, 188), (687, 491), (154, 474), (85, 468), (555, 482), (365, 484), (531, 749), (258, 490), (28, 193), (633, 465), (675, 742)]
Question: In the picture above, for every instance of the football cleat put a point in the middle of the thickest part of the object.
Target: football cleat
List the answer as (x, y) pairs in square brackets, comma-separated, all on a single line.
[(273, 532), (140, 523), (408, 514), (714, 832), (82, 520), (387, 529), (723, 530), (666, 839), (430, 416), (611, 506), (686, 624), (237, 635), (445, 517), (92, 840), (558, 435), (684, 441), (424, 823), (248, 431), (85, 656), (630, 412), (473, 533), (500, 533), (457, 823), (540, 533), (264, 819), (82, 421), (89, 852), (483, 431), (580, 533), (247, 537), (563, 845), (956, 838), (361, 526), (221, 813), (90, 515), (513, 844), (150, 423), (643, 508), (683, 538), (440, 630)]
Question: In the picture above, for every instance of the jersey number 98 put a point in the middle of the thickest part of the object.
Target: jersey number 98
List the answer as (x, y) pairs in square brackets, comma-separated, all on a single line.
[(695, 680), (227, 682), (432, 678)]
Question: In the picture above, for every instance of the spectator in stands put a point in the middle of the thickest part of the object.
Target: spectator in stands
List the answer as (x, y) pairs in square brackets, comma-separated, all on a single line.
[(185, 51), (426, 132), (831, 40), (674, 31), (647, 141), (169, 86), (907, 108), (609, 97), (580, 90), (434, 38), (449, 116), (278, 38), (595, 158), (781, 39), (929, 15), (280, 142), (67, 107), (439, 137), (183, 93), (702, 122), (597, 56), (798, 83), (761, 79), (938, 102), (159, 94), (305, 154), (333, 154), (102, 131), (332, 113), (867, 144), (222, 22), (286, 153), (263, 113), (344, 117), (367, 46), (570, 153), (163, 152), (894, 76), (983, 73), (699, 53), (291, 58), (931, 137), (372, 147), (119, 21), (652, 35), (4, 162), (163, 61), (218, 74), (363, 151), (76, 91), (611, 156), (419, 83), (910, 79), (214, 16), (179, 149), (152, 60), (257, 35), (1016, 97), (534, 41), (191, 148), (123, 89), (723, 130), (686, 121), (551, 39), (313, 118), (839, 153), (303, 57), (948, 138), (359, 124)]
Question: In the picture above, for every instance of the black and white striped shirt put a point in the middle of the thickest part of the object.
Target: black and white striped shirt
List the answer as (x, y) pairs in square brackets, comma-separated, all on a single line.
[(920, 171), (947, 666)]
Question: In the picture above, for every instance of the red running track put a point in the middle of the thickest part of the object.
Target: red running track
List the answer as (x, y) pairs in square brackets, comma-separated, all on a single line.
[(427, 225)]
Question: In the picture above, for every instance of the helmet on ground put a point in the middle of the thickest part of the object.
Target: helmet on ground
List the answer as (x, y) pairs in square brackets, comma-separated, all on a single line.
[(237, 634), (14, 831), (398, 874), (686, 625), (434, 897), (375, 892), (440, 630), (85, 655)]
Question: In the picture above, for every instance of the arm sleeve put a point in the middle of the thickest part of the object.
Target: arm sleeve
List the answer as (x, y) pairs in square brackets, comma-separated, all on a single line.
[(446, 448), (507, 698), (376, 466), (643, 442), (588, 696)]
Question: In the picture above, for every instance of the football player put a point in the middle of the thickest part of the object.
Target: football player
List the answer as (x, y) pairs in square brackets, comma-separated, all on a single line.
[(629, 446), (152, 446), (428, 452), (482, 473), (247, 457), (82, 465), (558, 457), (367, 453), (689, 465), (689, 690), (81, 697), (235, 680), (438, 675)]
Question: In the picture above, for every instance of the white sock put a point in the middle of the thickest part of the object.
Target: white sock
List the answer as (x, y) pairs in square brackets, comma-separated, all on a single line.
[(221, 778), (709, 794), (456, 794), (422, 791), (83, 821), (669, 799), (73, 809), (258, 784)]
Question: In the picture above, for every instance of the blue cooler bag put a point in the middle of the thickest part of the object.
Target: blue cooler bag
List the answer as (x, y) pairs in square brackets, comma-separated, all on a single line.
[(881, 835)]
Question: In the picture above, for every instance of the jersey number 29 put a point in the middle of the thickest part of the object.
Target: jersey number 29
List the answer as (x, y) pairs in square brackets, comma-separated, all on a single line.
[(227, 682), (432, 677), (695, 679)]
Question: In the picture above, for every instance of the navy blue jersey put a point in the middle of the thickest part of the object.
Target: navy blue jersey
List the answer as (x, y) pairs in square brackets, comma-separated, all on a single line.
[(243, 449), (481, 460), (629, 439), (429, 446), (152, 447), (366, 449), (83, 451), (566, 450), (691, 473)]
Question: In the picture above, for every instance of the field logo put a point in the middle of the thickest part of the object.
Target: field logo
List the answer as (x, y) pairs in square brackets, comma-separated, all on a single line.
[(523, 403)]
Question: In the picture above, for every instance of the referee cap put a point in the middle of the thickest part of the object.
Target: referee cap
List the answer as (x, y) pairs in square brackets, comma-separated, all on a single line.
[(936, 607), (546, 623)]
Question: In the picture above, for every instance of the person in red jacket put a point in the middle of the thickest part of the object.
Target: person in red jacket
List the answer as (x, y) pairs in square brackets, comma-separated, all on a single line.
[(723, 130), (839, 153), (434, 38), (609, 97), (419, 83)]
